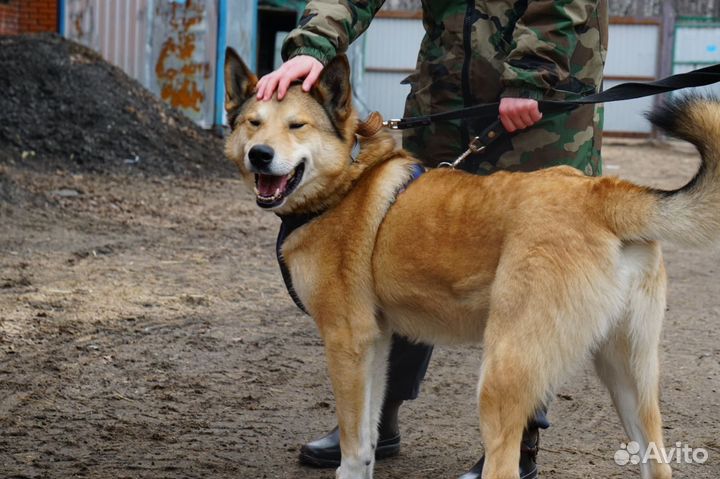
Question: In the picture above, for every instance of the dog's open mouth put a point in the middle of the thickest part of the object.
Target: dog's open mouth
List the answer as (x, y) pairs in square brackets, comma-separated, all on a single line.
[(271, 190)]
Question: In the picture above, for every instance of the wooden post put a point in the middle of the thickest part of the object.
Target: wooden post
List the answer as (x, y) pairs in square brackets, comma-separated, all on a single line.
[(667, 41), (667, 44)]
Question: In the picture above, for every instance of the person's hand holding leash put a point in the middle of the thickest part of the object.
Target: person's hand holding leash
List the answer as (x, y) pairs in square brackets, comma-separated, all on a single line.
[(518, 113), (297, 68)]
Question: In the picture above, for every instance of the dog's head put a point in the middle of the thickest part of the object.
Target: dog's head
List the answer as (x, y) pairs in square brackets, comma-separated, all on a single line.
[(293, 151)]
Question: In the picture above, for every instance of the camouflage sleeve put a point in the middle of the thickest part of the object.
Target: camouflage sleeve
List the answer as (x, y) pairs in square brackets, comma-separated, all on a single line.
[(327, 27), (556, 50)]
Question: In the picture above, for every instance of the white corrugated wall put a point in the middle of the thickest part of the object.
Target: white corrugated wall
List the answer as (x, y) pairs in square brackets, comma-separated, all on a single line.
[(633, 55), (697, 44)]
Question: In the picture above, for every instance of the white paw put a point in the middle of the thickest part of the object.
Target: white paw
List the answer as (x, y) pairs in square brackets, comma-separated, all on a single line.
[(356, 469)]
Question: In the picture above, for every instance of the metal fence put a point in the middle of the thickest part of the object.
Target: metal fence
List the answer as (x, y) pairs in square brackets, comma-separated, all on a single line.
[(697, 44), (634, 52)]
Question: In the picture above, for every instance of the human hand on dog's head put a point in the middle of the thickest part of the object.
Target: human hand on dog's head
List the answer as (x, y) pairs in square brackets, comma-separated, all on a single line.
[(301, 67)]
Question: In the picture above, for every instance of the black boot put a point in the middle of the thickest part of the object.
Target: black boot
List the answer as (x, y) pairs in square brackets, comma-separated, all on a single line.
[(325, 452), (528, 455)]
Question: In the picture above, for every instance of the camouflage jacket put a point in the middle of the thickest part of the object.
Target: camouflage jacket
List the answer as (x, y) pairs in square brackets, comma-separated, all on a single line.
[(478, 51)]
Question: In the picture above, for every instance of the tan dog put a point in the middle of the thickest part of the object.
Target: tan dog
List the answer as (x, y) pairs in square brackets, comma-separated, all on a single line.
[(545, 268)]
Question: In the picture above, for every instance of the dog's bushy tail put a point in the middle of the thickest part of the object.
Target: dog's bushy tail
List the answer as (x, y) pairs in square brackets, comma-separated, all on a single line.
[(691, 214), (688, 215)]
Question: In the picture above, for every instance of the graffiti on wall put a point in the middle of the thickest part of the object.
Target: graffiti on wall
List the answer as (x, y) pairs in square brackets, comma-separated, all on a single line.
[(167, 45), (182, 69), (81, 21)]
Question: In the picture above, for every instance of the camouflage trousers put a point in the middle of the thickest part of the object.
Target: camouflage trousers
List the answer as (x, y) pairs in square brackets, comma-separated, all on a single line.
[(554, 140)]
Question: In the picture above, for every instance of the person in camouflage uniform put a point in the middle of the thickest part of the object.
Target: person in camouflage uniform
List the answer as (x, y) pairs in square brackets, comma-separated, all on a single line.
[(473, 51), (476, 52)]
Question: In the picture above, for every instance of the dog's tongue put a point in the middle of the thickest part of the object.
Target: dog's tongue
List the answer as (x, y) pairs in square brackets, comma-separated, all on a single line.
[(268, 184)]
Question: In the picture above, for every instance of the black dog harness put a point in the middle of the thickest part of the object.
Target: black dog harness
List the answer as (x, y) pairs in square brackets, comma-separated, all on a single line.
[(292, 222)]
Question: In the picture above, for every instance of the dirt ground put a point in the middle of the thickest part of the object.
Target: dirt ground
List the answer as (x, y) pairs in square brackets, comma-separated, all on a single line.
[(145, 333)]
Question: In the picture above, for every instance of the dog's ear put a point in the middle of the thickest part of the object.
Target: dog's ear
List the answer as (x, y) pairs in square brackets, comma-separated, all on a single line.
[(239, 82), (333, 90)]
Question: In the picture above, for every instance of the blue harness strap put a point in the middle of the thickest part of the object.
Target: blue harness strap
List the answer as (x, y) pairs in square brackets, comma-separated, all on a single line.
[(290, 223)]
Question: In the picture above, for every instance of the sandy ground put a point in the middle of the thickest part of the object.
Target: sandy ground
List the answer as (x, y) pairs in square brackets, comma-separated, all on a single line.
[(145, 332)]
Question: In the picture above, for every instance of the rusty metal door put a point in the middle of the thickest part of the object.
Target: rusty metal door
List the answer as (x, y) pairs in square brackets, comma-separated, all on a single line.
[(170, 46), (182, 56)]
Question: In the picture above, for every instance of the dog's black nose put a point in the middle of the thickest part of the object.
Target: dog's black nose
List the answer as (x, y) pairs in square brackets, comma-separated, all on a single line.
[(261, 155)]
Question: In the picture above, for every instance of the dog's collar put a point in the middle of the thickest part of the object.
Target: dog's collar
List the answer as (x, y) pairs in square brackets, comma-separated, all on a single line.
[(290, 223)]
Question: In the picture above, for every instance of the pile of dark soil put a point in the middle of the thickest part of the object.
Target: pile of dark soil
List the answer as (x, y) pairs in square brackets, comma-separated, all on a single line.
[(63, 106)]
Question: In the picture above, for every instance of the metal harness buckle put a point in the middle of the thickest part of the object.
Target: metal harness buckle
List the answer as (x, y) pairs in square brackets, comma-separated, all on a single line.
[(475, 146), (393, 124)]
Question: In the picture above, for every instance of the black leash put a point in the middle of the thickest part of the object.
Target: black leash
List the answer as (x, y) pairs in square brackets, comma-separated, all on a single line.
[(624, 91)]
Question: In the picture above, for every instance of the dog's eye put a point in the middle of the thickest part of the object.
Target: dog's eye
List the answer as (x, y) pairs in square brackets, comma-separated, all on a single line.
[(297, 125), (254, 122)]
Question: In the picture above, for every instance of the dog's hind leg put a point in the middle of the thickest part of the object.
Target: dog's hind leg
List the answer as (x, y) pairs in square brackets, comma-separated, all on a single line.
[(357, 367), (537, 332), (508, 395), (627, 363)]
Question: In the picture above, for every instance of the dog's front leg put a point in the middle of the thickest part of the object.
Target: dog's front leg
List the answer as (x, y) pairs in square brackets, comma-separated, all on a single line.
[(357, 364)]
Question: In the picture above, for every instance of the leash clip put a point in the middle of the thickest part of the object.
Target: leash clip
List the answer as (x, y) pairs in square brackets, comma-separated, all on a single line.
[(393, 124), (475, 146)]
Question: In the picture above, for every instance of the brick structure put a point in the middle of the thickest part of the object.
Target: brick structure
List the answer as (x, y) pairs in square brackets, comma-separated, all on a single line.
[(28, 16)]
